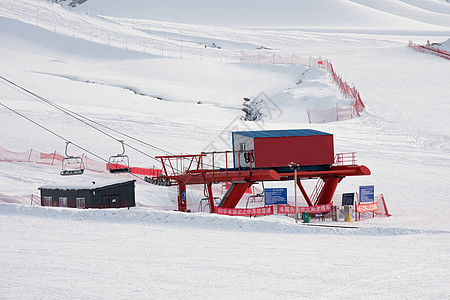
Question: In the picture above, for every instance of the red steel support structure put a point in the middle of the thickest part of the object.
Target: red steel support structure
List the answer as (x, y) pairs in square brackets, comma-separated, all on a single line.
[(183, 170)]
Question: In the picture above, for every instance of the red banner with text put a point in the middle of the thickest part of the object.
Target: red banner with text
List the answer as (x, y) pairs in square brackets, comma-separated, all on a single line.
[(260, 211), (287, 209), (367, 207)]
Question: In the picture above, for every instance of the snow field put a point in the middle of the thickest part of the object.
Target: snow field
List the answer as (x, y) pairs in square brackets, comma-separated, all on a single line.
[(152, 252), (172, 255)]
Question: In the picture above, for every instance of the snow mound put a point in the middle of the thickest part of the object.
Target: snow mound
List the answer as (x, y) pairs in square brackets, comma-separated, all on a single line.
[(444, 46), (145, 216)]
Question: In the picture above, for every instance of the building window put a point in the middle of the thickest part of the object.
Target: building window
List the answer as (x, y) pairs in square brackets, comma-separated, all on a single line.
[(81, 203), (242, 147), (47, 201), (63, 202)]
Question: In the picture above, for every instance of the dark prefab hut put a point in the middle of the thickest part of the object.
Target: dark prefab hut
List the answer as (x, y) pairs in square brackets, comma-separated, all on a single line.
[(111, 194)]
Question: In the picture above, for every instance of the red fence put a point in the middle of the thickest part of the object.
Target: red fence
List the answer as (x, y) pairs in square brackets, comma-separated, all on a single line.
[(33, 156), (366, 207), (337, 113), (429, 50), (371, 210)]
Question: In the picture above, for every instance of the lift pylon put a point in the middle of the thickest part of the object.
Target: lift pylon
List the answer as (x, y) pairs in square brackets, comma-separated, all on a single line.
[(195, 171)]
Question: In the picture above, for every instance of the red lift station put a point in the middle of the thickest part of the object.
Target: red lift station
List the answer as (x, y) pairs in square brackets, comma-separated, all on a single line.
[(269, 155)]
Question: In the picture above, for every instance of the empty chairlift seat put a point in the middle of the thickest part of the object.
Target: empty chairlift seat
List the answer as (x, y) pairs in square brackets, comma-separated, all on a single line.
[(119, 163), (72, 165)]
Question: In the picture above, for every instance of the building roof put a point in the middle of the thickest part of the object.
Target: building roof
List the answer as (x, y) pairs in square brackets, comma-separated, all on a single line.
[(281, 133), (85, 185)]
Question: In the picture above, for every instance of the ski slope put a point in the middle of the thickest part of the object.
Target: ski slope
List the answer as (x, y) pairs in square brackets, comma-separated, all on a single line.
[(171, 75), (328, 15)]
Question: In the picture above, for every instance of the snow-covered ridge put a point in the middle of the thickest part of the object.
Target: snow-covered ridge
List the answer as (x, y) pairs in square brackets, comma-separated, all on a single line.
[(71, 3)]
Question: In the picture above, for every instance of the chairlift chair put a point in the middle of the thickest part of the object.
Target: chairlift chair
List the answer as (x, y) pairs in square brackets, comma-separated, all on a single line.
[(71, 165), (119, 163)]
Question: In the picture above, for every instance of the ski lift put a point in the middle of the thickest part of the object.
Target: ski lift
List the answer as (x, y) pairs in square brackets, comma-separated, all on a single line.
[(119, 163), (72, 165)]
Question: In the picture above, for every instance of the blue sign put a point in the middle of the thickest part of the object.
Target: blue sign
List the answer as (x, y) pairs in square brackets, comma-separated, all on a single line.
[(367, 193), (275, 196), (348, 199)]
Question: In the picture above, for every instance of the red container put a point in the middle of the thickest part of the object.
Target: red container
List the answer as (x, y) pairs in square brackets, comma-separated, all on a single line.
[(278, 148)]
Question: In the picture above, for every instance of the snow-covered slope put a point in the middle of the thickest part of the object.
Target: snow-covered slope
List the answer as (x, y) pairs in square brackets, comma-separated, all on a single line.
[(180, 87), (324, 14), (182, 97)]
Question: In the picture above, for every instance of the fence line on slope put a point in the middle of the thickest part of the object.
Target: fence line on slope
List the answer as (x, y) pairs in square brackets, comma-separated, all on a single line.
[(337, 113), (55, 159), (429, 50)]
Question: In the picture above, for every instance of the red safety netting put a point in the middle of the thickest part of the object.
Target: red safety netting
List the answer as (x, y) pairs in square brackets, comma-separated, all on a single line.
[(33, 156), (337, 113), (136, 170), (429, 50), (344, 87)]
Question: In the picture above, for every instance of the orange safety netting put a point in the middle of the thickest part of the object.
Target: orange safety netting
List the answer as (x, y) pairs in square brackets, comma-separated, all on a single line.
[(33, 156), (429, 50), (337, 113)]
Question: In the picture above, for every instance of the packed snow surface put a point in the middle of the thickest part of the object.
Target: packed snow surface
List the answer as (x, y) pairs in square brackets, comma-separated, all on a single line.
[(172, 76)]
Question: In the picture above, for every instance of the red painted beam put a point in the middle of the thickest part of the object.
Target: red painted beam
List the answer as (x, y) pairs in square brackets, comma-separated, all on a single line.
[(328, 190), (304, 193), (244, 179), (209, 176), (210, 198), (340, 171), (235, 195)]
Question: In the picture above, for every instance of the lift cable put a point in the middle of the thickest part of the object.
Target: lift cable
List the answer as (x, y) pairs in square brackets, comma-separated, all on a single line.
[(59, 136), (51, 131), (80, 118)]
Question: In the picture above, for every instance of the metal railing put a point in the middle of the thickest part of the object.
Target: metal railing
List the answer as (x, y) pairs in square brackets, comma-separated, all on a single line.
[(345, 159), (175, 165)]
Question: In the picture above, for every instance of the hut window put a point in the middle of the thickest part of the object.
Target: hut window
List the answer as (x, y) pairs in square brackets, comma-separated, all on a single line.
[(242, 147), (47, 201), (62, 201), (81, 203)]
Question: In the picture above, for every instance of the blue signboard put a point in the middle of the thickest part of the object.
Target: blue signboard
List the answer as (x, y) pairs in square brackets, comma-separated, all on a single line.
[(275, 196), (366, 193), (348, 199)]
